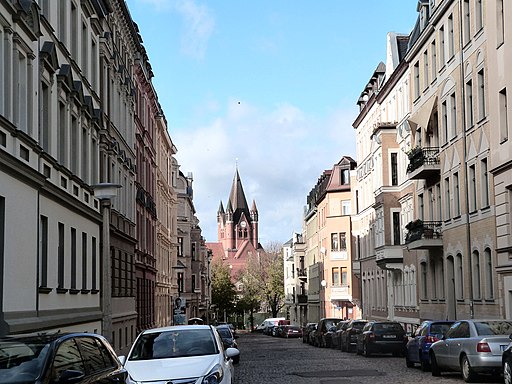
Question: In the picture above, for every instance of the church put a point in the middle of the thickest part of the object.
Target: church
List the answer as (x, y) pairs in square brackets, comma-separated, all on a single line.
[(237, 230)]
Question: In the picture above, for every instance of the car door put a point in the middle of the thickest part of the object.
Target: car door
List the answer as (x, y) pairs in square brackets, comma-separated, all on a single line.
[(456, 344), (442, 347), (413, 345), (100, 364)]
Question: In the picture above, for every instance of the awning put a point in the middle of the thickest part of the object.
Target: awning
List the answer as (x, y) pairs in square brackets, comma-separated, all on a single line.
[(422, 116)]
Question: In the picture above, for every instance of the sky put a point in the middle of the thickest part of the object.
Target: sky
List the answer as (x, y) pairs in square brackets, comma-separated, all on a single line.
[(265, 87)]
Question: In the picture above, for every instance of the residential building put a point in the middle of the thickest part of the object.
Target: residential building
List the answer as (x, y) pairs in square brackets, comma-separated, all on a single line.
[(50, 133), (496, 88), (166, 242), (295, 279), (454, 227)]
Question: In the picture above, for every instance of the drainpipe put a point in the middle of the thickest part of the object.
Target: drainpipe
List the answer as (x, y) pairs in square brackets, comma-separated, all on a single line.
[(465, 156)]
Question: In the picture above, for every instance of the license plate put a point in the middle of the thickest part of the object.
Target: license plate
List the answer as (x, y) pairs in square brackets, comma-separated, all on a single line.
[(503, 347), (389, 336)]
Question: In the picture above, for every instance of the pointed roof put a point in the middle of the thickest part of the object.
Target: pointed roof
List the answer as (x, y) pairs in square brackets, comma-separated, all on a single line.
[(254, 208), (237, 198), (221, 208)]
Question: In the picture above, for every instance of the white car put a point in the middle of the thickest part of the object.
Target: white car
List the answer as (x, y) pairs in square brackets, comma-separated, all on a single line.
[(184, 354)]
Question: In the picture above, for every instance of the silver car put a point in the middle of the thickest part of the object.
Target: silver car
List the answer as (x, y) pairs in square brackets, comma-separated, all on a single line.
[(471, 347)]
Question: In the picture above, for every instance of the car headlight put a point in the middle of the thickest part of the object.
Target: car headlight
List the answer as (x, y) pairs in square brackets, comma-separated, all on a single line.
[(215, 376)]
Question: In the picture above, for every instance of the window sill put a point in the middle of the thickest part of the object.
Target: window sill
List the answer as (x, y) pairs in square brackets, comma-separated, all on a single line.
[(95, 291), (45, 290), (62, 290), (74, 291)]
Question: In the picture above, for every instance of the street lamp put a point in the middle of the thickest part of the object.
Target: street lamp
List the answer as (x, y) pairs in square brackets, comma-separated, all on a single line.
[(105, 192)]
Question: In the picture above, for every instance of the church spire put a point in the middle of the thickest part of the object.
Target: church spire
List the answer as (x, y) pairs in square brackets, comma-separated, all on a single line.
[(237, 198)]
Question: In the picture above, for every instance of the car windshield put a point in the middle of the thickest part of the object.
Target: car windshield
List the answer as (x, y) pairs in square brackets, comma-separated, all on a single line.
[(440, 328), (497, 327), (225, 333), (358, 325), (21, 361), (174, 343)]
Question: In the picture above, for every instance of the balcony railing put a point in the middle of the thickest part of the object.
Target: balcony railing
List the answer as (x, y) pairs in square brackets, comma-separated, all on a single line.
[(302, 299), (428, 234), (423, 162), (302, 274)]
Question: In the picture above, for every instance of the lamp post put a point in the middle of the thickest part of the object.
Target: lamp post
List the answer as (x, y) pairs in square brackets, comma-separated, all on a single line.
[(105, 192)]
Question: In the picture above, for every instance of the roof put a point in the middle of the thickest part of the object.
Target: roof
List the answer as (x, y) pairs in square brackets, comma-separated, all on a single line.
[(237, 199)]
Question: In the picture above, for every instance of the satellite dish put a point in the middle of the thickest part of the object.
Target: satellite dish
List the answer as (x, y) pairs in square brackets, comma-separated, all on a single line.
[(322, 250)]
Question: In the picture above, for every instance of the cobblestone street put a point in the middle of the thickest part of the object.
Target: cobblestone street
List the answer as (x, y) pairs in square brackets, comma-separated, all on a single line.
[(266, 359)]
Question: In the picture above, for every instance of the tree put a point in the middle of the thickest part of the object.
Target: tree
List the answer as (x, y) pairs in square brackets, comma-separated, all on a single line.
[(223, 290), (263, 277)]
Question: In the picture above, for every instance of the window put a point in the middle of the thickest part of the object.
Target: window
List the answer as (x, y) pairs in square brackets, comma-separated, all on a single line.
[(97, 358), (444, 122), (500, 22), (503, 115), (481, 95), (448, 199), (472, 188), (489, 278), (343, 241), (396, 228), (451, 37), (485, 183), (394, 168), (479, 22), (180, 246), (433, 50), (74, 31), (67, 357), (466, 14), (44, 252), (344, 279), (181, 282), (335, 276), (421, 206), (193, 283), (84, 260), (475, 268), (85, 51), (334, 242), (469, 104), (60, 252), (442, 49), (424, 283), (74, 145), (73, 258), (44, 135), (94, 264), (345, 177), (345, 207), (425, 69), (459, 277), (456, 195), (193, 250), (417, 80), (61, 154), (453, 116)]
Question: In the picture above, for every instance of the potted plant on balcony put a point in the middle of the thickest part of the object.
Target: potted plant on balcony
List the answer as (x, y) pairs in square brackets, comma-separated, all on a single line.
[(415, 224)]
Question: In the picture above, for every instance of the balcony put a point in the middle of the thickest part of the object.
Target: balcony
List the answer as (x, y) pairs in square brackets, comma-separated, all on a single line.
[(424, 163), (389, 256), (424, 235), (302, 275), (340, 292), (302, 299), (289, 299)]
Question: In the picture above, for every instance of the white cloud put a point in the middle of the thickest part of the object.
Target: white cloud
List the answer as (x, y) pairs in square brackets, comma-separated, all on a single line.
[(199, 26), (281, 153)]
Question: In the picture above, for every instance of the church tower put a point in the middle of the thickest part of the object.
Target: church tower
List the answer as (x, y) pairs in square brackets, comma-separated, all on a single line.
[(237, 224)]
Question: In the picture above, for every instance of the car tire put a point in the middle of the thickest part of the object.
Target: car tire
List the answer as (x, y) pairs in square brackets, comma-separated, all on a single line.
[(507, 372), (433, 365), (408, 362), (236, 359), (366, 351), (468, 374)]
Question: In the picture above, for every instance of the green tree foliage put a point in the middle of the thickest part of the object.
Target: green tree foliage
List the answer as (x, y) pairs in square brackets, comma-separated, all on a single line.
[(263, 278), (223, 290)]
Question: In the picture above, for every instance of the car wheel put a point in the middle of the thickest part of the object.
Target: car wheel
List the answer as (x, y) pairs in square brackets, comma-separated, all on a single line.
[(236, 359), (433, 364), (366, 351), (468, 374), (408, 362), (507, 372)]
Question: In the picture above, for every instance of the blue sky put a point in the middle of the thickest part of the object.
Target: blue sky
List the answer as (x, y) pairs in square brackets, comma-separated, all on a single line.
[(270, 86)]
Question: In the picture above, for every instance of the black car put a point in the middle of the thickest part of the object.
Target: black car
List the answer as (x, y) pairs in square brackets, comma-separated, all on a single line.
[(381, 337), (322, 328), (228, 339), (348, 337), (306, 330), (59, 358)]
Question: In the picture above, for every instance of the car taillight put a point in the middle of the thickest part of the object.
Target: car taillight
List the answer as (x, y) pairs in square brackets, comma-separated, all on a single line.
[(483, 347), (431, 339), (371, 336)]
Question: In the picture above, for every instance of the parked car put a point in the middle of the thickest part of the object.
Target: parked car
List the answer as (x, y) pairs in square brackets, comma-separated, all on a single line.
[(175, 354), (471, 347), (228, 339), (306, 330), (381, 337), (290, 331), (322, 328), (348, 336), (59, 358), (328, 336), (418, 347), (336, 338), (506, 361)]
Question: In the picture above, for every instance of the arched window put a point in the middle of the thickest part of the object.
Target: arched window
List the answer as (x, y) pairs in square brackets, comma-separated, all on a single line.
[(475, 271), (459, 277), (489, 285), (424, 284)]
